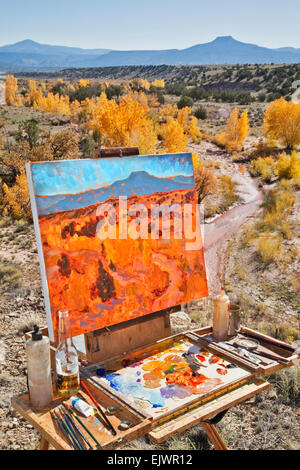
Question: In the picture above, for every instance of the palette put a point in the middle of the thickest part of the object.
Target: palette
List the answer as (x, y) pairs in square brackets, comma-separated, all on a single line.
[(168, 376)]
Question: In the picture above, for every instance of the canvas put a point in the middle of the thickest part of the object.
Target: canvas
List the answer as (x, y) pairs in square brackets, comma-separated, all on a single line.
[(96, 261)]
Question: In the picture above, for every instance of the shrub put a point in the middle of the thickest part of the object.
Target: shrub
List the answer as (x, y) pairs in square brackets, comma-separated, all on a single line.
[(185, 101), (288, 166), (262, 167), (205, 179), (29, 131), (269, 248), (16, 198), (10, 277), (200, 113), (276, 209), (228, 190)]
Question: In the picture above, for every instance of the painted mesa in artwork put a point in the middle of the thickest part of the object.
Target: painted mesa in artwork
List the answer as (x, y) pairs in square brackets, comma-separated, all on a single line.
[(103, 282)]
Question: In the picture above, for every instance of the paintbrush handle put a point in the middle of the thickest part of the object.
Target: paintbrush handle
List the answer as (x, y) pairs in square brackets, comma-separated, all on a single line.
[(85, 428), (98, 407), (63, 431), (78, 430), (70, 433), (70, 424)]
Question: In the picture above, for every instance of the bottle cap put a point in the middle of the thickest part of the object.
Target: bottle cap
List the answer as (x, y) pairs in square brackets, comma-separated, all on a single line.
[(36, 335)]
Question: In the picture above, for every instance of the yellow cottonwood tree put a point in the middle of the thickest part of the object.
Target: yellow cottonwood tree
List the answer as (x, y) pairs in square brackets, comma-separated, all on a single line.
[(174, 138), (168, 110), (124, 123), (83, 83), (16, 197), (237, 129), (282, 122), (194, 131), (183, 116), (158, 83), (11, 87)]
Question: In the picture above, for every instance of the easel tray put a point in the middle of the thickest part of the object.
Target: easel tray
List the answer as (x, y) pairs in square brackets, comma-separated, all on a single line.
[(43, 421), (168, 377), (271, 354)]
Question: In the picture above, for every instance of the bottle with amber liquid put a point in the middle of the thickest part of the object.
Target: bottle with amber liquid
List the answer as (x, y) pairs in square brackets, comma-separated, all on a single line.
[(66, 357), (221, 316)]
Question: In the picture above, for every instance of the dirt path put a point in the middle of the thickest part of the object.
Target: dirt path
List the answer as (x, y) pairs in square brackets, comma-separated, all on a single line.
[(217, 232)]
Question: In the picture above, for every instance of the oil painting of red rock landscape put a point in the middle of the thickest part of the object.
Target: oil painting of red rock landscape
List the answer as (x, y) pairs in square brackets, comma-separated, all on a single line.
[(105, 281)]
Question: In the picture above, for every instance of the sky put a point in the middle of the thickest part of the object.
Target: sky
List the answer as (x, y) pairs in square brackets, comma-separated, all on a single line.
[(76, 176), (155, 24)]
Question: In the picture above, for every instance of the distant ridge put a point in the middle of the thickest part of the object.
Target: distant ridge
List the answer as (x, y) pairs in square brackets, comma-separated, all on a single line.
[(138, 182), (31, 55)]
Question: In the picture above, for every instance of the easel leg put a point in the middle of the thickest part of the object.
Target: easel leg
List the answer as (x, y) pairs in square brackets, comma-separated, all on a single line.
[(44, 444), (214, 436)]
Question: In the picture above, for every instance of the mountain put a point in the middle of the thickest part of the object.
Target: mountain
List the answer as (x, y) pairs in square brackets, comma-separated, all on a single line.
[(138, 182), (31, 55)]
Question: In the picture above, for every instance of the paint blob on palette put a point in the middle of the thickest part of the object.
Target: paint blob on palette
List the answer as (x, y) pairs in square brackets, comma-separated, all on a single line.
[(173, 377)]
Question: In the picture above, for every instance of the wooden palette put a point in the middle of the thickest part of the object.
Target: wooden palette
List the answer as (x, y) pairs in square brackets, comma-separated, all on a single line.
[(168, 376)]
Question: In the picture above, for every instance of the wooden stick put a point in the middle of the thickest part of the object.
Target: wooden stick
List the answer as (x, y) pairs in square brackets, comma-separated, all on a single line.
[(98, 407)]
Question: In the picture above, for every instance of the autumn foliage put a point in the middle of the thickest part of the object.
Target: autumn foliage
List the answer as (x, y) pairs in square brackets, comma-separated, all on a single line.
[(282, 122), (237, 129), (205, 179), (11, 87)]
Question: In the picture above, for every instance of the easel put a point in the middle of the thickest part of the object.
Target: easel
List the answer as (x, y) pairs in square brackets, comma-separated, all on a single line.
[(117, 341), (122, 338)]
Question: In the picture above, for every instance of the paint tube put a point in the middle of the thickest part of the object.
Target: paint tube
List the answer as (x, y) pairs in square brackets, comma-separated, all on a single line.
[(82, 406)]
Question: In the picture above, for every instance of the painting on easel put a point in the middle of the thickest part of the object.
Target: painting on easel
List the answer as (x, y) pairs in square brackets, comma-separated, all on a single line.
[(110, 248)]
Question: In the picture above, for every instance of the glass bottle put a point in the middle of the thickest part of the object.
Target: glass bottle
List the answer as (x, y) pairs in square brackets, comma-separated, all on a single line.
[(221, 316), (66, 357)]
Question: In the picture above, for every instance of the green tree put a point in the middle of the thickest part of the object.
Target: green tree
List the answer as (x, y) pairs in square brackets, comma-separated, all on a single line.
[(185, 101)]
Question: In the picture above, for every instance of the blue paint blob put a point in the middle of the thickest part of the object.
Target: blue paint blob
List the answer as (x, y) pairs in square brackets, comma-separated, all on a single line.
[(130, 386)]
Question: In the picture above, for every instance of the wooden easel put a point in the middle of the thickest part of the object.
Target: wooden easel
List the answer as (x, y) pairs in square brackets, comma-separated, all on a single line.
[(121, 338)]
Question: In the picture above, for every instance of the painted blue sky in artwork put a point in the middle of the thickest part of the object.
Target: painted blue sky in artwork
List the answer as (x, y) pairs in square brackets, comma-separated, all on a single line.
[(77, 176)]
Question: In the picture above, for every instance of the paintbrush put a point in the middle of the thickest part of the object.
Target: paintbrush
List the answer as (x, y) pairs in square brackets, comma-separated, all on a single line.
[(63, 430), (67, 428), (83, 425), (98, 407), (77, 428), (73, 428)]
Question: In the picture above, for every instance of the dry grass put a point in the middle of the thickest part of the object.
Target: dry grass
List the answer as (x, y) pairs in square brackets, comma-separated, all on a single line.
[(27, 323), (269, 248), (10, 277)]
